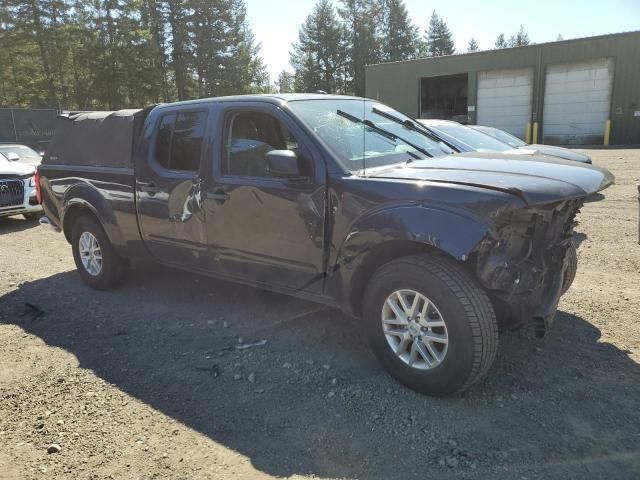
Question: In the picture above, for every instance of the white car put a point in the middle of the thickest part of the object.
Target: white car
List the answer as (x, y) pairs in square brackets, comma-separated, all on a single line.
[(18, 189)]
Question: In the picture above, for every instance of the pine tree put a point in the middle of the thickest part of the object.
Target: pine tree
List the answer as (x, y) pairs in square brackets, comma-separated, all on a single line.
[(399, 37), (110, 54), (177, 19), (285, 81), (438, 39), (362, 40), (501, 42), (154, 18), (559, 38), (473, 46), (242, 68), (320, 47), (520, 39), (32, 19)]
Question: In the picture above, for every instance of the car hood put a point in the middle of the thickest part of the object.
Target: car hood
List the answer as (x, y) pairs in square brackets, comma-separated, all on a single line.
[(15, 168), (558, 152), (534, 179)]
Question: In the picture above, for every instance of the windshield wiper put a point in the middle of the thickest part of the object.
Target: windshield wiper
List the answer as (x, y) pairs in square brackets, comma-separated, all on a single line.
[(385, 133), (406, 123), (415, 126)]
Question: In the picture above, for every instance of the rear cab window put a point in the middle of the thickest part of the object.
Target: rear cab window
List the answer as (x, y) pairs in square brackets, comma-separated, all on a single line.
[(179, 141)]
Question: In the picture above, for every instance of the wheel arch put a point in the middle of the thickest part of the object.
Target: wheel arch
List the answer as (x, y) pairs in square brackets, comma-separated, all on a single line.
[(75, 210), (84, 200), (398, 232)]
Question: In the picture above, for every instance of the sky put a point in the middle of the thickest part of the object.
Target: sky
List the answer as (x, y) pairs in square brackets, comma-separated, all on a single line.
[(276, 23)]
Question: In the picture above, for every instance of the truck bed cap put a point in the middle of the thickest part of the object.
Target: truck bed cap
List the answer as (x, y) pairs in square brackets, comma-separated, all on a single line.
[(101, 138)]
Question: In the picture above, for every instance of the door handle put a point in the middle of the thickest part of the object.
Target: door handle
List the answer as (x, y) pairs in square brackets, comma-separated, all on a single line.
[(218, 196), (148, 187)]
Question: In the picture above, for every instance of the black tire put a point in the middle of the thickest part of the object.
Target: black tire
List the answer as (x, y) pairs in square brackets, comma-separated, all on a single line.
[(465, 307), (572, 268), (113, 267), (32, 217)]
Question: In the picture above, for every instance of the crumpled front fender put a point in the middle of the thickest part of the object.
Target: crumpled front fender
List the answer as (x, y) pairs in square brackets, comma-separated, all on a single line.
[(410, 228), (444, 230)]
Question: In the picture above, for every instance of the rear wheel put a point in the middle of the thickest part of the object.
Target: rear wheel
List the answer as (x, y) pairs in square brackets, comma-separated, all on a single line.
[(430, 324), (97, 262)]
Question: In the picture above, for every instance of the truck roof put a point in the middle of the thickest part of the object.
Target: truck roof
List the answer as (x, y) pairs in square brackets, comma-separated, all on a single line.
[(270, 97), (106, 138)]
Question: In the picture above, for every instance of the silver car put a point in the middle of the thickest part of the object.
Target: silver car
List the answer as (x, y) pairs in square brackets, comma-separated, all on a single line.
[(515, 142)]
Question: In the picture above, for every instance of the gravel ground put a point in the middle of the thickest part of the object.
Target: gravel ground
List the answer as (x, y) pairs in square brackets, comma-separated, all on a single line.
[(146, 381)]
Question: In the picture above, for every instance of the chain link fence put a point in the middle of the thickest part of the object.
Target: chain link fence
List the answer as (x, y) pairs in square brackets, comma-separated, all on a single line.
[(32, 127)]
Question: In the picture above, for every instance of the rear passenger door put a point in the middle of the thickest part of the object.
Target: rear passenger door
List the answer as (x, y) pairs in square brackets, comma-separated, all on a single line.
[(168, 187)]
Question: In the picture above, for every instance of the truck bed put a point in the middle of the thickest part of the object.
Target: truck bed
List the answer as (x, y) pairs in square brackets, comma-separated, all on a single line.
[(91, 157)]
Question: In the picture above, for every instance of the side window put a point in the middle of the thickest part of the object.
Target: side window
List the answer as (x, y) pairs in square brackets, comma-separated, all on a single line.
[(163, 140), (179, 141), (249, 136)]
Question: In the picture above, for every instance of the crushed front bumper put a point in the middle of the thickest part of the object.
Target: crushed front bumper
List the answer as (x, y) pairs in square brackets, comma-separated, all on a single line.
[(522, 261)]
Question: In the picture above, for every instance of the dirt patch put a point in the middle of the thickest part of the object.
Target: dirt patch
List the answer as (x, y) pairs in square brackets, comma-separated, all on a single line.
[(146, 381)]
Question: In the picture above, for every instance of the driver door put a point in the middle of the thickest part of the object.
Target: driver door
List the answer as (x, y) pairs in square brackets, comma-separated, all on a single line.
[(262, 228)]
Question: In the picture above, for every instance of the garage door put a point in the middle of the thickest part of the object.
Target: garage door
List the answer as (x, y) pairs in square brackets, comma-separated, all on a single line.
[(504, 99), (577, 99)]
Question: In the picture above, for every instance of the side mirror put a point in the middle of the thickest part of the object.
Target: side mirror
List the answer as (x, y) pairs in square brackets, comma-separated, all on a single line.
[(283, 163), (12, 156)]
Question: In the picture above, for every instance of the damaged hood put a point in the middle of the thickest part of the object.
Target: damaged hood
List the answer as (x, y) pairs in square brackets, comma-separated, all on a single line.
[(534, 179)]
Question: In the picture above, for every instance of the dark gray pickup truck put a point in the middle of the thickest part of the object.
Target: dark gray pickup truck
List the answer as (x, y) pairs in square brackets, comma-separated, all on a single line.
[(335, 199)]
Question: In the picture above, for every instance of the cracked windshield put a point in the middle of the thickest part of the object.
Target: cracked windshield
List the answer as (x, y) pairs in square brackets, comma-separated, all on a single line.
[(367, 134)]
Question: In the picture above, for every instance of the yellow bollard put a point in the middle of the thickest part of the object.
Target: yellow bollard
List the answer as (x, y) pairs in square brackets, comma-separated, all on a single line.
[(607, 131), (527, 133), (535, 133)]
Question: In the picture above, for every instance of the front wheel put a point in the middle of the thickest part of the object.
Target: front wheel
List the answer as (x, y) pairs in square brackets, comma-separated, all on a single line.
[(430, 324), (97, 262), (572, 268)]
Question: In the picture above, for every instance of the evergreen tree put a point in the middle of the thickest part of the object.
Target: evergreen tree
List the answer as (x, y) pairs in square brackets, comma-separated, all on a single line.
[(438, 39), (285, 82), (320, 49), (473, 46), (362, 40), (559, 38), (520, 39), (399, 37), (110, 54), (154, 17), (180, 43), (501, 42)]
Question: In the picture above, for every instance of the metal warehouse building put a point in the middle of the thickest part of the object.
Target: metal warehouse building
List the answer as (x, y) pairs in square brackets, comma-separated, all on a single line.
[(580, 92)]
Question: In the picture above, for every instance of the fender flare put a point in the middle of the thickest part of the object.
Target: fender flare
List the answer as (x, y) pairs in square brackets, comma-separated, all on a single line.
[(84, 197)]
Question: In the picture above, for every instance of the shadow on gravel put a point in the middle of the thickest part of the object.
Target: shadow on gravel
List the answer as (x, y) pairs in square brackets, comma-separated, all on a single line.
[(319, 404), (15, 224)]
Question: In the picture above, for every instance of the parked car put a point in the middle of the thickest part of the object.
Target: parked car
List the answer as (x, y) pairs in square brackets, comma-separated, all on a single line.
[(549, 150), (18, 190), (339, 200), (20, 153), (470, 138)]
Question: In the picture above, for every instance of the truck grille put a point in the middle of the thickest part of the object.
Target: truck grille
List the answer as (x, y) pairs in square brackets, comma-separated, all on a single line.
[(11, 193)]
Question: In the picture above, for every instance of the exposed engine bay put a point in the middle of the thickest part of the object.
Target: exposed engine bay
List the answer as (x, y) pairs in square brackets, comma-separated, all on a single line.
[(522, 260)]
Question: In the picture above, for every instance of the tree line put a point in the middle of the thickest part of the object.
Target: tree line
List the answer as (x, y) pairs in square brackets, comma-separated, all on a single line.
[(111, 54), (97, 54), (336, 42)]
